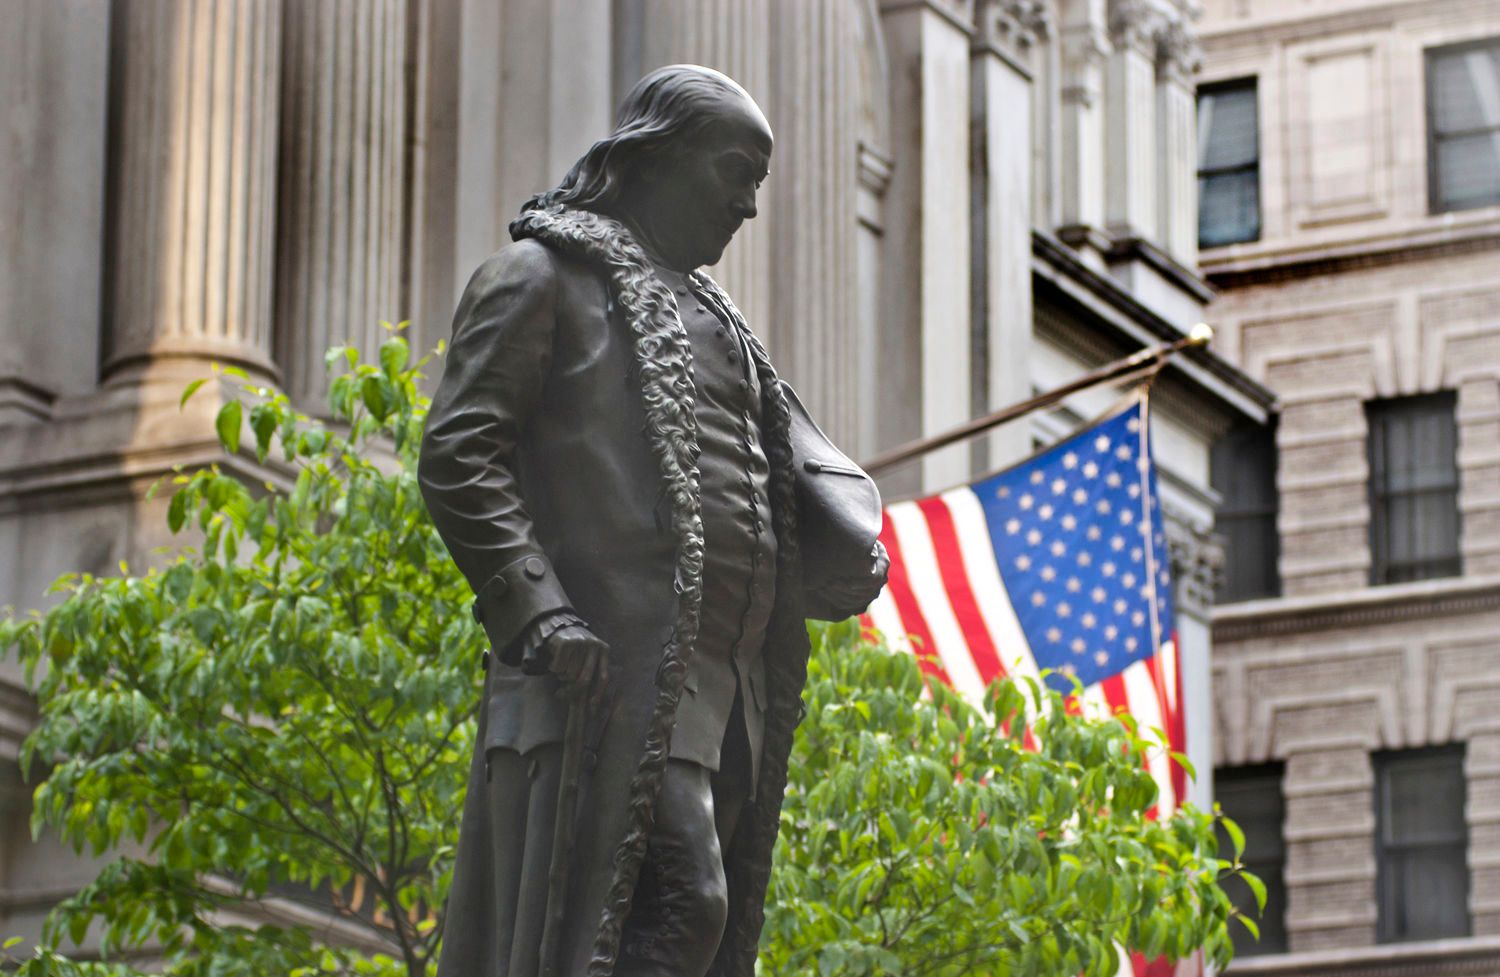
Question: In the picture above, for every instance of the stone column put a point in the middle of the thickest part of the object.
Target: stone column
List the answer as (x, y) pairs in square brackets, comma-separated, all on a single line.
[(1084, 51), (810, 208), (54, 82), (341, 230), (732, 36), (1008, 32), (926, 294), (1177, 61), (1130, 126), (1046, 120), (193, 192)]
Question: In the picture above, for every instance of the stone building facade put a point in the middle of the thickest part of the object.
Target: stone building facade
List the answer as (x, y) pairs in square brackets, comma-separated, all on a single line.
[(1358, 269), (970, 200)]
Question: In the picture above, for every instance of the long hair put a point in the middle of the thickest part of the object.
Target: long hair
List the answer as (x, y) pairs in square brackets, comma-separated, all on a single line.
[(670, 104)]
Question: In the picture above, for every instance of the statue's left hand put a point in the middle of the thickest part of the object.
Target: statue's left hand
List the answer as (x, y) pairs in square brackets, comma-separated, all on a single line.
[(580, 661)]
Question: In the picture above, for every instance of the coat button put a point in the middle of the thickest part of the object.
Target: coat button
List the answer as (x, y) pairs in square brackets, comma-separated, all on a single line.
[(535, 568)]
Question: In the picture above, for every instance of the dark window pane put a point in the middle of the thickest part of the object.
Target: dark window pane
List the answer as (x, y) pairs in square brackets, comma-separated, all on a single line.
[(1251, 796), (1414, 520), (1466, 89), (1243, 472), (1463, 140), (1421, 845), (1228, 208), (1468, 170), (1228, 164), (1227, 135)]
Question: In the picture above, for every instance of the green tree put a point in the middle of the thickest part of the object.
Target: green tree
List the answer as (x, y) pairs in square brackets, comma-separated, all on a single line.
[(284, 714), (286, 709), (922, 837)]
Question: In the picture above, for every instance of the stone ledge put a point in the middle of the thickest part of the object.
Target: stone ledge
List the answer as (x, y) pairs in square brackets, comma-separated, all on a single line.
[(1369, 606), (1426, 238), (1474, 957)]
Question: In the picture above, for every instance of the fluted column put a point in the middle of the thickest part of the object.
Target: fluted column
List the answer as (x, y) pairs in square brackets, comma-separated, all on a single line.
[(193, 196), (1177, 60), (1130, 138), (732, 36), (812, 197), (927, 294), (1008, 33), (1084, 50), (341, 229)]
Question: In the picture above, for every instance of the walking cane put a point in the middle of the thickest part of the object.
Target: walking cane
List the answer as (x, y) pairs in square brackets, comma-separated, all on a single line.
[(562, 836)]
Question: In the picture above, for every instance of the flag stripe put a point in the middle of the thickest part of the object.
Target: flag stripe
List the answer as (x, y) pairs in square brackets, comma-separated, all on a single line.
[(960, 596), (925, 580), (914, 625)]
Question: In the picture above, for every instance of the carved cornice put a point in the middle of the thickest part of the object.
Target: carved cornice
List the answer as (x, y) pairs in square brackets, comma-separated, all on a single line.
[(1085, 50), (1013, 26), (1474, 957), (1179, 56), (1134, 24), (1238, 266), (1375, 606)]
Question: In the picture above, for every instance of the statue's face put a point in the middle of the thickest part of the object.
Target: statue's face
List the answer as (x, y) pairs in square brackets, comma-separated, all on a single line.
[(694, 199)]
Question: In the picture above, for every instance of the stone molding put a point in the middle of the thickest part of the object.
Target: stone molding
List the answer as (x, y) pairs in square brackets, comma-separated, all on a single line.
[(23, 402), (1238, 266), (1129, 247), (1475, 957), (1363, 608)]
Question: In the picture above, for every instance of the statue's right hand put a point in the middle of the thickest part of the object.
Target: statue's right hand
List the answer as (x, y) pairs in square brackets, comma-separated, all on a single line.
[(580, 661)]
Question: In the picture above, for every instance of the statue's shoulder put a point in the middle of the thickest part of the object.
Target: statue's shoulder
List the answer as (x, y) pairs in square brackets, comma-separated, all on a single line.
[(526, 261), (536, 266)]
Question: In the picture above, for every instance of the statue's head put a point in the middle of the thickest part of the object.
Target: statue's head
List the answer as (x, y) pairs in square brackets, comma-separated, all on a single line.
[(689, 150)]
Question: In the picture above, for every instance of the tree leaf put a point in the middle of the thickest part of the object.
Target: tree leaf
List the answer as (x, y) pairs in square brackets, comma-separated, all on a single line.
[(227, 424), (191, 389)]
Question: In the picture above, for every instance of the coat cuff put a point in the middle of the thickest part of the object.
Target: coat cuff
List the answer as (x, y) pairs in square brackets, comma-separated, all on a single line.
[(517, 596)]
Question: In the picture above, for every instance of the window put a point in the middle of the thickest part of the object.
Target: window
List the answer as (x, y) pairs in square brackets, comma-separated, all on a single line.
[(1243, 472), (1251, 797), (1228, 164), (1413, 489), (1421, 845), (1463, 126)]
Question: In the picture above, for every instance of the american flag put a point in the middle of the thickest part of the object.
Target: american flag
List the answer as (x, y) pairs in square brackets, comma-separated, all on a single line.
[(1059, 563)]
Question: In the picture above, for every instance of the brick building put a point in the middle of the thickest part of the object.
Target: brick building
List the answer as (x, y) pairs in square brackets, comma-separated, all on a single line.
[(1349, 165)]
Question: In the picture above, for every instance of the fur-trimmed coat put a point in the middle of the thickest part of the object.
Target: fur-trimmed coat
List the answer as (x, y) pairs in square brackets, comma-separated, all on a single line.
[(559, 465)]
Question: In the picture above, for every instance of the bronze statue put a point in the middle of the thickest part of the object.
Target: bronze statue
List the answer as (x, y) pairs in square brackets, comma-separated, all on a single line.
[(646, 516)]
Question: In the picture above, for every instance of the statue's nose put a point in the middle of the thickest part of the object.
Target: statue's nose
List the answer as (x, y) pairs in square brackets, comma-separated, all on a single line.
[(743, 206)]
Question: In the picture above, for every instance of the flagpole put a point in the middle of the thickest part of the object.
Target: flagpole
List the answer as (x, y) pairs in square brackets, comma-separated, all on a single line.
[(1146, 359)]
